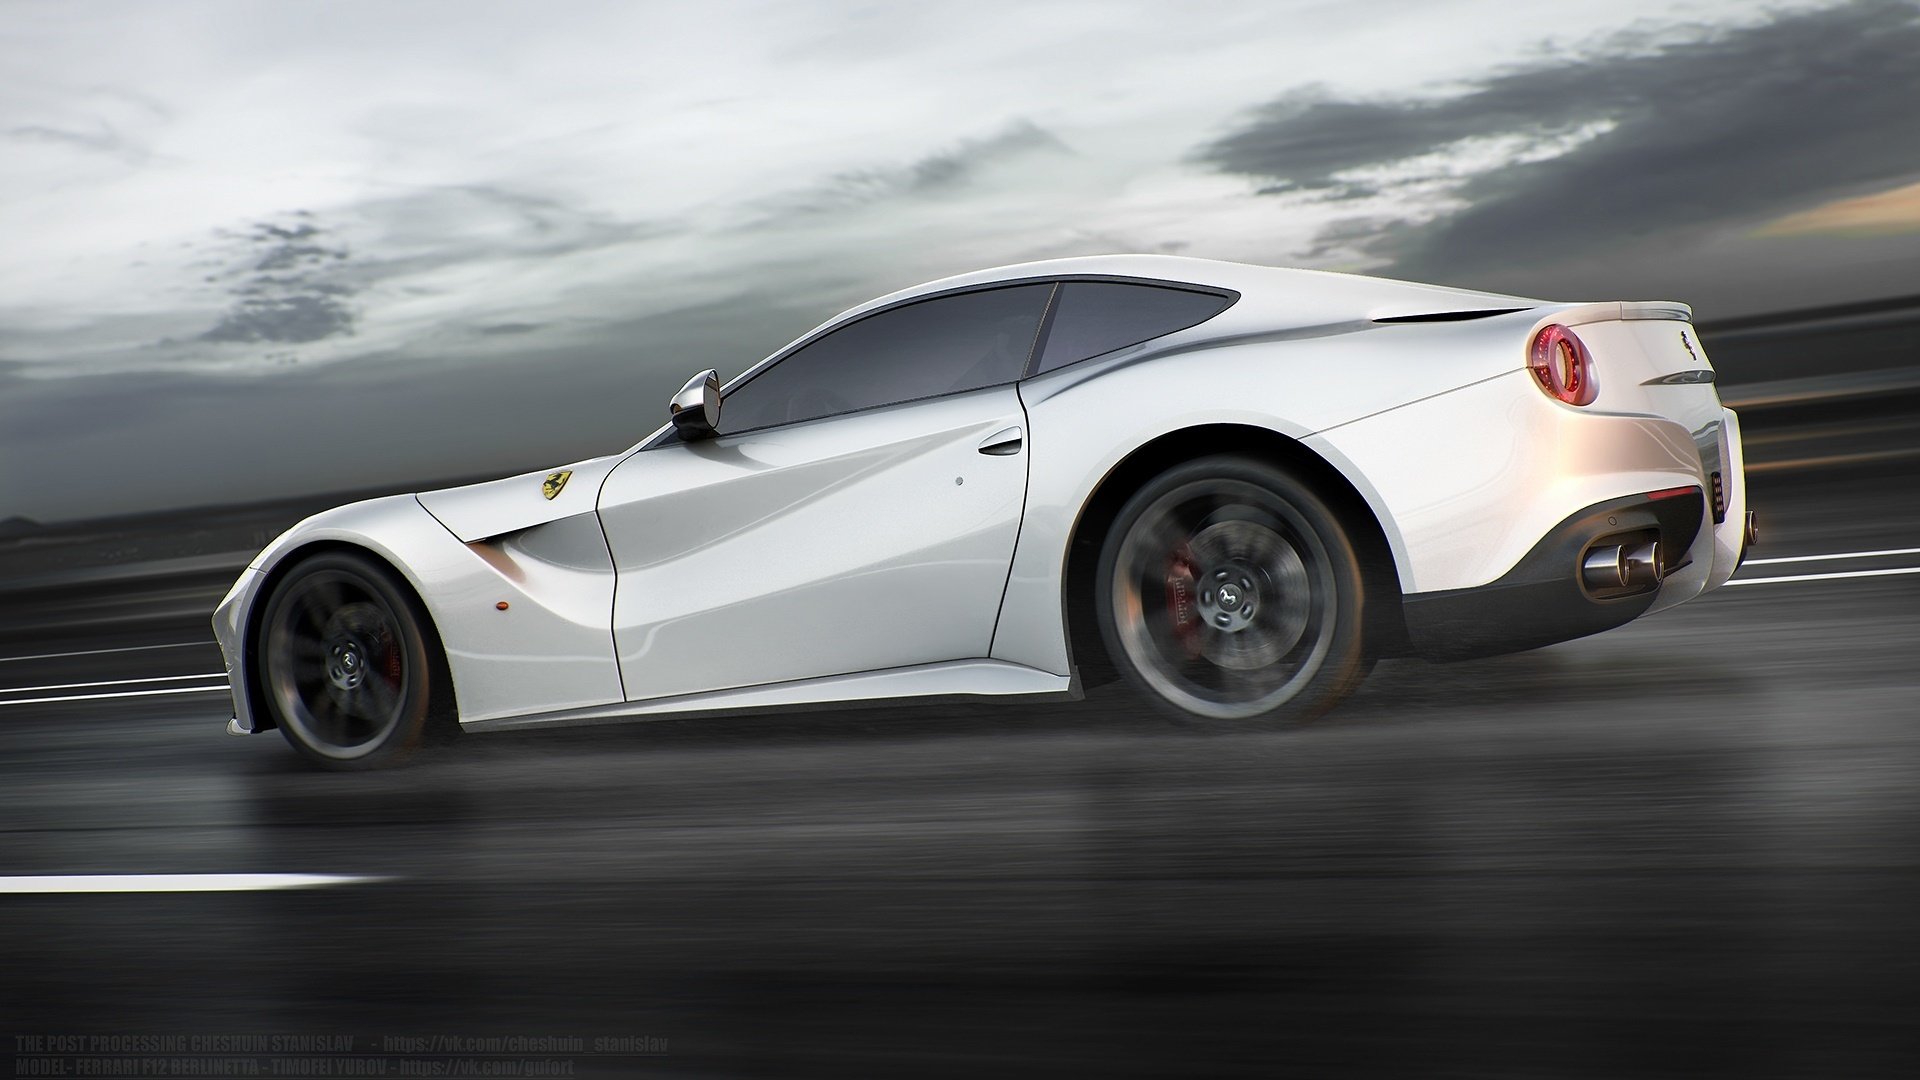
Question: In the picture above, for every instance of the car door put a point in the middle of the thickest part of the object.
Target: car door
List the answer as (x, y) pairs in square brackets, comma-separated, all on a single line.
[(857, 511)]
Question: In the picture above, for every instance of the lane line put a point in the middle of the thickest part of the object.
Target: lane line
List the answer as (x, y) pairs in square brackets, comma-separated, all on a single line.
[(221, 689), (1826, 577), (174, 883), (110, 682), (1836, 555), (103, 652)]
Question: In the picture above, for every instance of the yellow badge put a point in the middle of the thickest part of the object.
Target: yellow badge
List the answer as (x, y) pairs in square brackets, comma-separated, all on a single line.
[(556, 482)]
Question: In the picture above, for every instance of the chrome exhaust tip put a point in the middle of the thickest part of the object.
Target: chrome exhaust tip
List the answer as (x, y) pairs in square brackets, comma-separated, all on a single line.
[(1603, 568), (1621, 566), (1750, 535), (1641, 564)]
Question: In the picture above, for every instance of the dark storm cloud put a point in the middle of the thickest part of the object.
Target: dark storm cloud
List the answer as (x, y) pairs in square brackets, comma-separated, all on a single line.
[(937, 173), (1724, 127), (288, 288), (292, 281)]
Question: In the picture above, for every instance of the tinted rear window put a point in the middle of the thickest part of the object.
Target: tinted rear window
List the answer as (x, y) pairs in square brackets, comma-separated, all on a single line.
[(1094, 317)]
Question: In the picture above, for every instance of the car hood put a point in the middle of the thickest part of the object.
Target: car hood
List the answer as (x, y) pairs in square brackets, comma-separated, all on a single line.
[(497, 507)]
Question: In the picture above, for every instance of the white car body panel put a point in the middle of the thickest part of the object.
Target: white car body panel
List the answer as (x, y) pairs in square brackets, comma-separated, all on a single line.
[(1516, 465), (499, 507), (839, 560), (875, 540)]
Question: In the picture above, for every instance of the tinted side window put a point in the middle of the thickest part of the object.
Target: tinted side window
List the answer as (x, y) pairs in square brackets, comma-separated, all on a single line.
[(940, 346), (1094, 317)]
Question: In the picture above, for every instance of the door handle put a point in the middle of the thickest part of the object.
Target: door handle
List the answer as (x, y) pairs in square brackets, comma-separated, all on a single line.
[(1003, 443)]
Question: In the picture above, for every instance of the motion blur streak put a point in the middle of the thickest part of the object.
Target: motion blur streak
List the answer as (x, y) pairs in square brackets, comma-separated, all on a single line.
[(102, 652), (1835, 555), (156, 883), (221, 689), (108, 682), (1894, 572)]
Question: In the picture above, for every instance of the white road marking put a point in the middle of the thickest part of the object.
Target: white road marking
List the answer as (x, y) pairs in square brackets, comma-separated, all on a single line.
[(1826, 577), (103, 652), (221, 689), (109, 682), (152, 883), (1836, 555)]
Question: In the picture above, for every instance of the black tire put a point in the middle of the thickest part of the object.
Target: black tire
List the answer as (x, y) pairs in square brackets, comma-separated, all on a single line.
[(1286, 644), (346, 665)]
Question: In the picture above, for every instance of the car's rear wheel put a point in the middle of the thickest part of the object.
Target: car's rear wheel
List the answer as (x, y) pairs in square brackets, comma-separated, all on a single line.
[(346, 664), (1228, 593)]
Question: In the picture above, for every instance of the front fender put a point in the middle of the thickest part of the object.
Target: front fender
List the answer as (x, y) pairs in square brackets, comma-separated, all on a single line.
[(550, 646), (499, 507)]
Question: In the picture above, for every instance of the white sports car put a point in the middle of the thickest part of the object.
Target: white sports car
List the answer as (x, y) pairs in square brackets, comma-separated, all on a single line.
[(1232, 486)]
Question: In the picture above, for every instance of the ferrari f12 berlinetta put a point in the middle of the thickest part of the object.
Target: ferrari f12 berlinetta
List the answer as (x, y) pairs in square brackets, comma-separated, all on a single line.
[(1228, 487)]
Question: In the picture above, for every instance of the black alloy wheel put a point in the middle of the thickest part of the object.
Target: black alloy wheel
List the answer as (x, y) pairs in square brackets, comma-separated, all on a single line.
[(346, 667), (1229, 594)]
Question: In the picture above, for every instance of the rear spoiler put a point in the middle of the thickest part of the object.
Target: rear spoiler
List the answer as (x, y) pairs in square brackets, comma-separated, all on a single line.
[(1624, 311)]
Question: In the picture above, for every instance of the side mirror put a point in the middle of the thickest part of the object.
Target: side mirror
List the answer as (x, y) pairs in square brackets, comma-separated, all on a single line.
[(696, 408)]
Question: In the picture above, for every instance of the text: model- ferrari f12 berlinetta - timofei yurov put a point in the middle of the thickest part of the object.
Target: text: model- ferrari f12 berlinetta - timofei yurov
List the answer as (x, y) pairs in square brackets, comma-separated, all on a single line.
[(1233, 487)]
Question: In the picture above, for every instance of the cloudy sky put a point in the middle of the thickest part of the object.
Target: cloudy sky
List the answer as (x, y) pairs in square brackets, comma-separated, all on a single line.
[(260, 248)]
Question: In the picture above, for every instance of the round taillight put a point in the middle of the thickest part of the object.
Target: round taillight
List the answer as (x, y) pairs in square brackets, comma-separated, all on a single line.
[(1562, 366)]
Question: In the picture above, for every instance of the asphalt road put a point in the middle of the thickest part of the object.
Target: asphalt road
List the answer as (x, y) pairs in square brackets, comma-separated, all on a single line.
[(1691, 845)]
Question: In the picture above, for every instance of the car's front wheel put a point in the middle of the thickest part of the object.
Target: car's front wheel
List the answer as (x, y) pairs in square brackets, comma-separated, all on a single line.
[(1227, 592), (345, 662)]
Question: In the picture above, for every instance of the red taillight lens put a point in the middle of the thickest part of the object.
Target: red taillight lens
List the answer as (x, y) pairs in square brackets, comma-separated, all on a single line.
[(1562, 365)]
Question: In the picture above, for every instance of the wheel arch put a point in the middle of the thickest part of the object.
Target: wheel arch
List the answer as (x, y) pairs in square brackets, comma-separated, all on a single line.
[(1384, 620), (284, 563)]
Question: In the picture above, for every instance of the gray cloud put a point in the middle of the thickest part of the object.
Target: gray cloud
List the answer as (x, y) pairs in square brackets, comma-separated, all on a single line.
[(288, 289), (103, 139), (431, 415), (421, 231), (954, 167), (1714, 128), (937, 173), (293, 280)]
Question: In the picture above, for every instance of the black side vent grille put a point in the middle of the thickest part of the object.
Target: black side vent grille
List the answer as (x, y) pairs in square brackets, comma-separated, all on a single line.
[(1712, 461)]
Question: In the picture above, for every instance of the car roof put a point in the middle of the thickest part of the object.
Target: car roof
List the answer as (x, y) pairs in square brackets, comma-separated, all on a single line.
[(1312, 294)]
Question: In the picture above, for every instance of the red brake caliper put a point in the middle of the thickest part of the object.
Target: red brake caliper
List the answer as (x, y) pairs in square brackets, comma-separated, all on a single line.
[(393, 659), (1182, 599)]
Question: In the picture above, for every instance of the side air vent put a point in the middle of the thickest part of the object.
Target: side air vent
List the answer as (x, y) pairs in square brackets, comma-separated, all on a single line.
[(1450, 316)]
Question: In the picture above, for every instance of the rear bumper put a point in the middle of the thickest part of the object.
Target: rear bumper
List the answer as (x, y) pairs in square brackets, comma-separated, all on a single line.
[(1542, 600), (1482, 494)]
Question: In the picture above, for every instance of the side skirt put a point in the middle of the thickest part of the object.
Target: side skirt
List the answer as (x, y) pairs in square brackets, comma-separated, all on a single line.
[(922, 683)]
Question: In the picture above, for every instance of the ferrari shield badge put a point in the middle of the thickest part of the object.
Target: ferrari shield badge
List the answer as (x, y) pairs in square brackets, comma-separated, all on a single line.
[(556, 483)]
